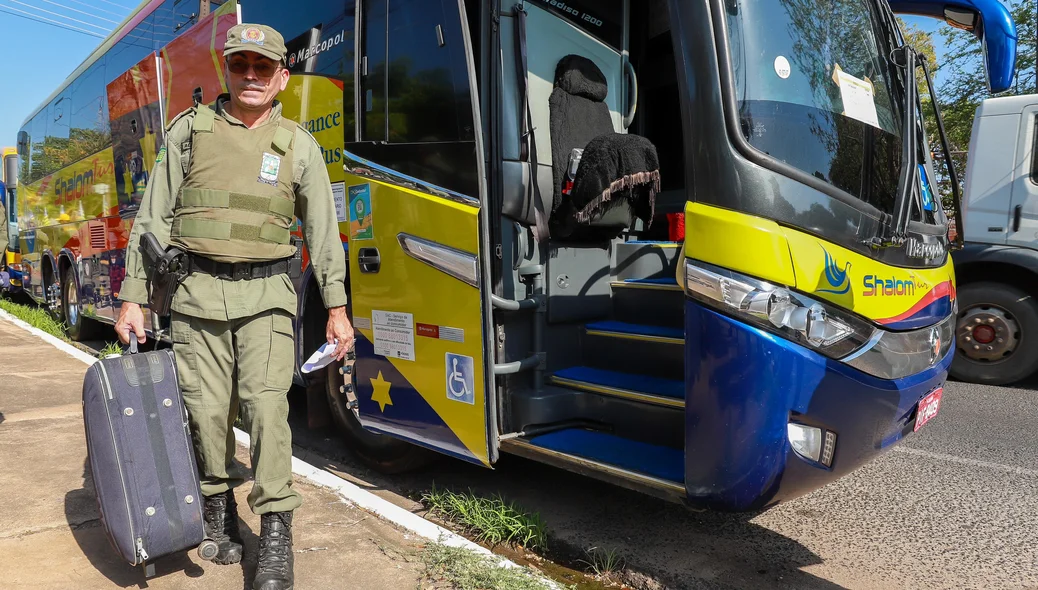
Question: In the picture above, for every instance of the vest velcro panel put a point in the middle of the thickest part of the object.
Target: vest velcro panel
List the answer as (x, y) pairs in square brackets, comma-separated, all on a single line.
[(203, 197), (225, 230)]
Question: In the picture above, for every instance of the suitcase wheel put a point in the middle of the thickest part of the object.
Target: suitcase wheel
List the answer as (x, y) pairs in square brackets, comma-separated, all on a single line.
[(208, 549)]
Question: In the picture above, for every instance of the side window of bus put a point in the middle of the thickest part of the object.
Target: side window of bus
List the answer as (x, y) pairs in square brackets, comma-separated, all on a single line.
[(127, 53), (38, 136), (89, 130), (428, 86), (415, 92), (373, 70), (57, 152)]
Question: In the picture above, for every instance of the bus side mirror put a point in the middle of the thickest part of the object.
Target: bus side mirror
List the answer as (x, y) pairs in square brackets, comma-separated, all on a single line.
[(23, 144), (989, 20), (995, 29)]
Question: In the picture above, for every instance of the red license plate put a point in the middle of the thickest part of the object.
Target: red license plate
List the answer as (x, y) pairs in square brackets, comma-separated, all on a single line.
[(928, 408)]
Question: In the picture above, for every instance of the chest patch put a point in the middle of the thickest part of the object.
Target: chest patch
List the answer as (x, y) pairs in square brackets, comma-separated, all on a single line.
[(269, 169)]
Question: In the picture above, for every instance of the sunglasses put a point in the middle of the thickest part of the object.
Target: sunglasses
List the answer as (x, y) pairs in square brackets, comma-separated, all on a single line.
[(263, 69)]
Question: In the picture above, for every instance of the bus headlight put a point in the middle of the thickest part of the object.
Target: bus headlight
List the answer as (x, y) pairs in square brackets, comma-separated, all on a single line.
[(796, 317)]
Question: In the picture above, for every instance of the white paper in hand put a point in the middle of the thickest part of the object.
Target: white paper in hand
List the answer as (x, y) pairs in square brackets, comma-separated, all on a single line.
[(320, 359)]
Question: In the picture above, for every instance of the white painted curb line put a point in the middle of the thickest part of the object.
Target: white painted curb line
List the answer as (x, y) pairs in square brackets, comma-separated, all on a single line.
[(55, 342), (345, 489)]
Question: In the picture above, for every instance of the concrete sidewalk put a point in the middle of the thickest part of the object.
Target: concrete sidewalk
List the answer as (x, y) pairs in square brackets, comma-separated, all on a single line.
[(50, 533)]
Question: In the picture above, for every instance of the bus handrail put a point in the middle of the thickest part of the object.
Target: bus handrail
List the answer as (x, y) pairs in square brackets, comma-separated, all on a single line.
[(512, 304)]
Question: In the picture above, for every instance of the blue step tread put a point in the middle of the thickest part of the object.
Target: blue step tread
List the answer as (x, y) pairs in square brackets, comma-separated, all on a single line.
[(637, 329), (626, 381), (660, 462)]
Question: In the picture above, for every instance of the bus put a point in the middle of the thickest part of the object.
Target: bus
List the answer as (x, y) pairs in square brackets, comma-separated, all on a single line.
[(8, 190), (503, 172)]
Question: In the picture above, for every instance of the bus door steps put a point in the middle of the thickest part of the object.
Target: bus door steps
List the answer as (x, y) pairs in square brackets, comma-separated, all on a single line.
[(639, 332), (635, 387), (645, 467), (654, 301), (655, 351), (641, 259)]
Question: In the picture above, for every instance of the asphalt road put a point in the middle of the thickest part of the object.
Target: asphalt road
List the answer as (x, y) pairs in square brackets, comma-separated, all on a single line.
[(953, 506)]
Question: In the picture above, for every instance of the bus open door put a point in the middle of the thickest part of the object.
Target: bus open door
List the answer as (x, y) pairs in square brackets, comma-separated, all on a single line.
[(419, 295)]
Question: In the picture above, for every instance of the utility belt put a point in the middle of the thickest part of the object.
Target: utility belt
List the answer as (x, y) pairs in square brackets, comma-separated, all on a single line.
[(239, 271), (166, 269)]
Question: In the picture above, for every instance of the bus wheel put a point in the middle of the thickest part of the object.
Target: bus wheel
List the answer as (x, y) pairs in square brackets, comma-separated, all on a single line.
[(996, 338), (378, 451), (78, 326)]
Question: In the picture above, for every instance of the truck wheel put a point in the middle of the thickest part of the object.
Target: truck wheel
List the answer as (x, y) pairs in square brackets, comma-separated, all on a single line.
[(378, 451), (996, 338), (79, 327)]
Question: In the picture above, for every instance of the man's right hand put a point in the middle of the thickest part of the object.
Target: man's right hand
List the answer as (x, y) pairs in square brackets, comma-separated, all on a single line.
[(130, 318)]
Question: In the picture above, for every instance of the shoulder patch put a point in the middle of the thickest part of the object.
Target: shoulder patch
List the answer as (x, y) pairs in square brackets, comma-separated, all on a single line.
[(161, 155)]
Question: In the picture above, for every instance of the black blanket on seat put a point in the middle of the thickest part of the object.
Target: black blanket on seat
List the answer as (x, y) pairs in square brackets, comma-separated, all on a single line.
[(616, 168)]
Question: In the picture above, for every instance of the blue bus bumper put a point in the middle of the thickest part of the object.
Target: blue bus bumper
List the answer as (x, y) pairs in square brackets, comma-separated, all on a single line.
[(744, 386)]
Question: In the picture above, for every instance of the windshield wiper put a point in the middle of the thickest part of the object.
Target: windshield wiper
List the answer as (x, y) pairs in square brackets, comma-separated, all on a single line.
[(909, 148)]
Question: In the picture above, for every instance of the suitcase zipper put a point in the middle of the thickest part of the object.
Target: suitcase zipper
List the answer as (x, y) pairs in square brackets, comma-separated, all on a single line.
[(104, 384), (115, 447)]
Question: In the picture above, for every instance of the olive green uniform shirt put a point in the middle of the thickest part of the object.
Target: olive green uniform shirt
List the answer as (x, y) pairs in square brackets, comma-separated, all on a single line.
[(204, 296)]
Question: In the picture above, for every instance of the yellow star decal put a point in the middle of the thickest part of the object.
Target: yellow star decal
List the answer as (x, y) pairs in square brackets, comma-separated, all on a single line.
[(381, 394)]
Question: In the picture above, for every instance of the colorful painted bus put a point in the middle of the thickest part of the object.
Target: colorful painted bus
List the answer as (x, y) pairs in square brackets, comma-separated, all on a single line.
[(9, 260), (513, 296)]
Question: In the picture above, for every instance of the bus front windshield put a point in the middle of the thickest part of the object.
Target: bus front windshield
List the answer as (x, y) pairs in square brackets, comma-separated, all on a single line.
[(815, 88)]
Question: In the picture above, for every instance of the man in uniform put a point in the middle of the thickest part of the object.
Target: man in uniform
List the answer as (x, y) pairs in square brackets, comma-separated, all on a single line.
[(225, 189)]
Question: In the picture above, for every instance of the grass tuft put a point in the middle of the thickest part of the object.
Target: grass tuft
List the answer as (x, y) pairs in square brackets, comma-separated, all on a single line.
[(603, 562), (465, 570), (110, 348), (36, 317), (490, 520)]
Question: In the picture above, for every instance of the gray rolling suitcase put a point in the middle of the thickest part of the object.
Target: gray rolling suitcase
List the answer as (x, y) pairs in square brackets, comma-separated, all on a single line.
[(141, 458)]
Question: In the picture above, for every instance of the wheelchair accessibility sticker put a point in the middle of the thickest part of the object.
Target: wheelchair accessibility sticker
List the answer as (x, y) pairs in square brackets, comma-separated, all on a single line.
[(460, 386)]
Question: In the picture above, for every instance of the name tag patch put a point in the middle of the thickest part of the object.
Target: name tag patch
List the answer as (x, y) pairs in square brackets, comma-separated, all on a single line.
[(269, 169)]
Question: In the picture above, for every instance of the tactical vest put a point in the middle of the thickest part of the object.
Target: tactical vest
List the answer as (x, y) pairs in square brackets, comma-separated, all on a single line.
[(237, 203)]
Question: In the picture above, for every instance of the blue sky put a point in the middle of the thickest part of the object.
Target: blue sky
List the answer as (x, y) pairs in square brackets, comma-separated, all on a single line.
[(44, 54)]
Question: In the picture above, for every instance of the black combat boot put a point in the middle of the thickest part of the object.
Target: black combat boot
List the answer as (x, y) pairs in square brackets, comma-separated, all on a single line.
[(274, 571), (221, 524)]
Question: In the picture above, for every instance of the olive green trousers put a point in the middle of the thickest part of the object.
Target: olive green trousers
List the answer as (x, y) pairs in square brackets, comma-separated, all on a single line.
[(243, 365)]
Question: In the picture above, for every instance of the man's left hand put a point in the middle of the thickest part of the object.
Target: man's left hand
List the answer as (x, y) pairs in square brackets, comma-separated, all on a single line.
[(339, 329)]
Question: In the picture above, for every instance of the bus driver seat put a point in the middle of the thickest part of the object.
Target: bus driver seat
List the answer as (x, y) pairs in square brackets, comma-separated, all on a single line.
[(602, 179)]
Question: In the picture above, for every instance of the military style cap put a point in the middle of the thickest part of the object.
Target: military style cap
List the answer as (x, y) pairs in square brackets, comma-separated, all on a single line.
[(260, 39)]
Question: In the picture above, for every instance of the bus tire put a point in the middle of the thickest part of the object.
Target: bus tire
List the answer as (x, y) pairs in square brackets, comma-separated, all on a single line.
[(382, 453), (79, 328), (1007, 351)]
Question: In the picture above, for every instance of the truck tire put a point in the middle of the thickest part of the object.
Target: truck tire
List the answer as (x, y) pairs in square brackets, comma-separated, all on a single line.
[(381, 452), (996, 339), (79, 328)]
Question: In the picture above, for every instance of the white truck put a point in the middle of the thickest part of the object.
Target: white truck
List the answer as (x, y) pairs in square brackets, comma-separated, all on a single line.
[(997, 270)]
